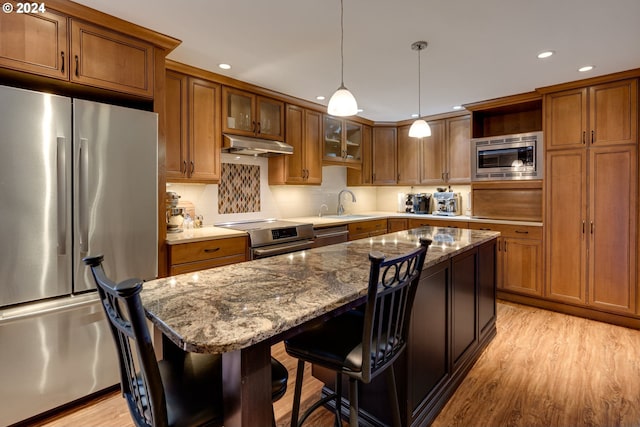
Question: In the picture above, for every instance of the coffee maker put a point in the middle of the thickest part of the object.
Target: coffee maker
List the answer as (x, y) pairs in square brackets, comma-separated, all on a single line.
[(422, 203), (447, 203), (175, 215)]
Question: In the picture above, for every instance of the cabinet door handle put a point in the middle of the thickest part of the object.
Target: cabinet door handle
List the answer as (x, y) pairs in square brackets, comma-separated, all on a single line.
[(77, 66), (499, 249), (593, 137), (584, 137), (522, 232), (373, 177), (211, 250), (485, 228), (592, 227), (62, 57), (398, 177), (583, 227), (505, 246), (258, 128), (193, 167)]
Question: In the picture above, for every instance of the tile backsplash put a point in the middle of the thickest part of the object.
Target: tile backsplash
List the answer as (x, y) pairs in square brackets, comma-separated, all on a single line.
[(239, 189)]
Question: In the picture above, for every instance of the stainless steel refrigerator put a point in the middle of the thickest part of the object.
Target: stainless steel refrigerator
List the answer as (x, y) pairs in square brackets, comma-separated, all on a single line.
[(76, 178)]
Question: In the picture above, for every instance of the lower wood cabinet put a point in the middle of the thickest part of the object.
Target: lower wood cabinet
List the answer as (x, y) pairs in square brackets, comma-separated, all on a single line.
[(421, 222), (397, 224), (364, 229), (519, 257), (194, 256)]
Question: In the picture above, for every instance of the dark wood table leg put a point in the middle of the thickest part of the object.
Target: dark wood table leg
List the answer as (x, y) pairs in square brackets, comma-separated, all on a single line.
[(246, 387)]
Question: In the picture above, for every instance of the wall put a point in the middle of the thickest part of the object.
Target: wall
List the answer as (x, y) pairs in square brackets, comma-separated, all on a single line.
[(288, 201)]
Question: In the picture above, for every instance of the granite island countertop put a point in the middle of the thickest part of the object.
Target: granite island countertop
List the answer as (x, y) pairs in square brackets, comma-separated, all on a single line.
[(233, 307)]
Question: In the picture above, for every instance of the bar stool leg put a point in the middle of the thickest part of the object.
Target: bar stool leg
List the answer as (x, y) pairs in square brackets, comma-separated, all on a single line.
[(353, 401), (338, 409), (295, 411)]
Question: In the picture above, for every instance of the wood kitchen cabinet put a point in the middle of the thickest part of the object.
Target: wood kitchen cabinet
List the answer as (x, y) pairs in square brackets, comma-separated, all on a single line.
[(35, 43), (245, 113), (591, 226), (519, 257), (55, 45), (364, 229), (446, 153), (304, 133), (383, 152), (110, 60), (603, 114), (342, 141), (364, 175), (194, 256), (408, 157), (397, 224), (193, 140), (435, 222)]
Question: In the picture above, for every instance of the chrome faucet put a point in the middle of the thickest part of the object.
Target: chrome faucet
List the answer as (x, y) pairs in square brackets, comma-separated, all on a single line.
[(340, 207)]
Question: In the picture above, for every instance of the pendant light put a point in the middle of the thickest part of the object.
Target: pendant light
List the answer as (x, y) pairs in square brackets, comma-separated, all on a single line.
[(419, 128), (342, 103)]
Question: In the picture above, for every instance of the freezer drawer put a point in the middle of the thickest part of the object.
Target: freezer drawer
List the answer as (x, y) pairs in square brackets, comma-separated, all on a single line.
[(59, 351)]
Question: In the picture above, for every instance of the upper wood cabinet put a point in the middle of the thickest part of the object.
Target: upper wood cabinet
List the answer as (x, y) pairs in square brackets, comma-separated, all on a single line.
[(110, 60), (35, 43), (342, 141), (364, 175), (192, 128), (245, 113), (87, 54), (409, 150), (304, 133), (446, 153), (383, 153), (604, 114)]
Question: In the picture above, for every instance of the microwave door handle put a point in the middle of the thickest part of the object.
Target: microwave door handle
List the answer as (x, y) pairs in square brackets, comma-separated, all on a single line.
[(61, 173)]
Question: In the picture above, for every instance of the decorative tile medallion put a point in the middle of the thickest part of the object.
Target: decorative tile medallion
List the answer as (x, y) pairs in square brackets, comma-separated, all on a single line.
[(239, 189)]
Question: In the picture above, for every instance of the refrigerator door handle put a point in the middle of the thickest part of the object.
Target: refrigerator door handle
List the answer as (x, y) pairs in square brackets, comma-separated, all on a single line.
[(83, 195), (61, 172)]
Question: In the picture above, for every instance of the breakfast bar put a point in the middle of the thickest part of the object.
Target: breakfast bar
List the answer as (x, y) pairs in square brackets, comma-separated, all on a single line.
[(240, 310)]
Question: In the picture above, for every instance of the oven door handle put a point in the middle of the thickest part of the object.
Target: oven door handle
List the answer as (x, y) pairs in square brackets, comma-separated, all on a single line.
[(282, 249)]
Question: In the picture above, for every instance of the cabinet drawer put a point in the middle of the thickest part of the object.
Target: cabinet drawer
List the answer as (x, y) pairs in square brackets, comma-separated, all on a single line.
[(414, 223), (203, 265), (359, 230), (206, 250), (510, 230)]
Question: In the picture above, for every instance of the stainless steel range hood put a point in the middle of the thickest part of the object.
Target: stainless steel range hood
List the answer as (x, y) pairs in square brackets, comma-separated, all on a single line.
[(254, 146)]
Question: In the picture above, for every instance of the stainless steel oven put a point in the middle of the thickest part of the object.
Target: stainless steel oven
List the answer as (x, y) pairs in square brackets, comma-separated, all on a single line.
[(511, 157), (273, 237)]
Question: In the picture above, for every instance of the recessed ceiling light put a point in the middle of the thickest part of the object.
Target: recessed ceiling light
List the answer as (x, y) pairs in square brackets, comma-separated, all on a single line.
[(457, 107), (585, 68), (320, 98), (224, 66), (414, 115), (545, 54)]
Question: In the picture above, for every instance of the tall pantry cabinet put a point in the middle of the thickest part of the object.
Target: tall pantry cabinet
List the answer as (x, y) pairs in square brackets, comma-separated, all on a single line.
[(591, 180)]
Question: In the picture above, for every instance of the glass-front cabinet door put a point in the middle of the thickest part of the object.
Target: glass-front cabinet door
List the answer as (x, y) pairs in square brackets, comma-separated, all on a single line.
[(270, 118), (342, 140), (245, 113)]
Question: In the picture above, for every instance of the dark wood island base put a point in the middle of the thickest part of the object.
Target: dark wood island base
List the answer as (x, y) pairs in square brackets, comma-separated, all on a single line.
[(453, 321)]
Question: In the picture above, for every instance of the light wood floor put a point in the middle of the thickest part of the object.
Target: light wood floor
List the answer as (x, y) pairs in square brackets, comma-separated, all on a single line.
[(542, 369)]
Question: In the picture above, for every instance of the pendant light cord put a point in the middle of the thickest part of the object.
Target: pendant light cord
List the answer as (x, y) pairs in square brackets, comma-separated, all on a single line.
[(341, 43), (419, 87)]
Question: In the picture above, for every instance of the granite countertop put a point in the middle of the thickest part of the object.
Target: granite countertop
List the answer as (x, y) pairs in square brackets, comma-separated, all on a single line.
[(232, 307), (201, 234)]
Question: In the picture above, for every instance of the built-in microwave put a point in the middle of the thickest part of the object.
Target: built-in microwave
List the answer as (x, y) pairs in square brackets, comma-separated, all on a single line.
[(509, 157)]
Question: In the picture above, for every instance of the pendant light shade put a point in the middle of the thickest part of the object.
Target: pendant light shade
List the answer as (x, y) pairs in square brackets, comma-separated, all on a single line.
[(342, 102), (419, 128)]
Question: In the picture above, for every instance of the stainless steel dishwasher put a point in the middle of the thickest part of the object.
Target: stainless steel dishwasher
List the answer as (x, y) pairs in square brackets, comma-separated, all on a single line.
[(330, 235)]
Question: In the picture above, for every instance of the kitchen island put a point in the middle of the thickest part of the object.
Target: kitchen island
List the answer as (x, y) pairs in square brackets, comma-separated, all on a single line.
[(242, 309)]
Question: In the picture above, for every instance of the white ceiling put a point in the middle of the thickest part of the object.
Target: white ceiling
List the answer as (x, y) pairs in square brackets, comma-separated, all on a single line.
[(478, 49)]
